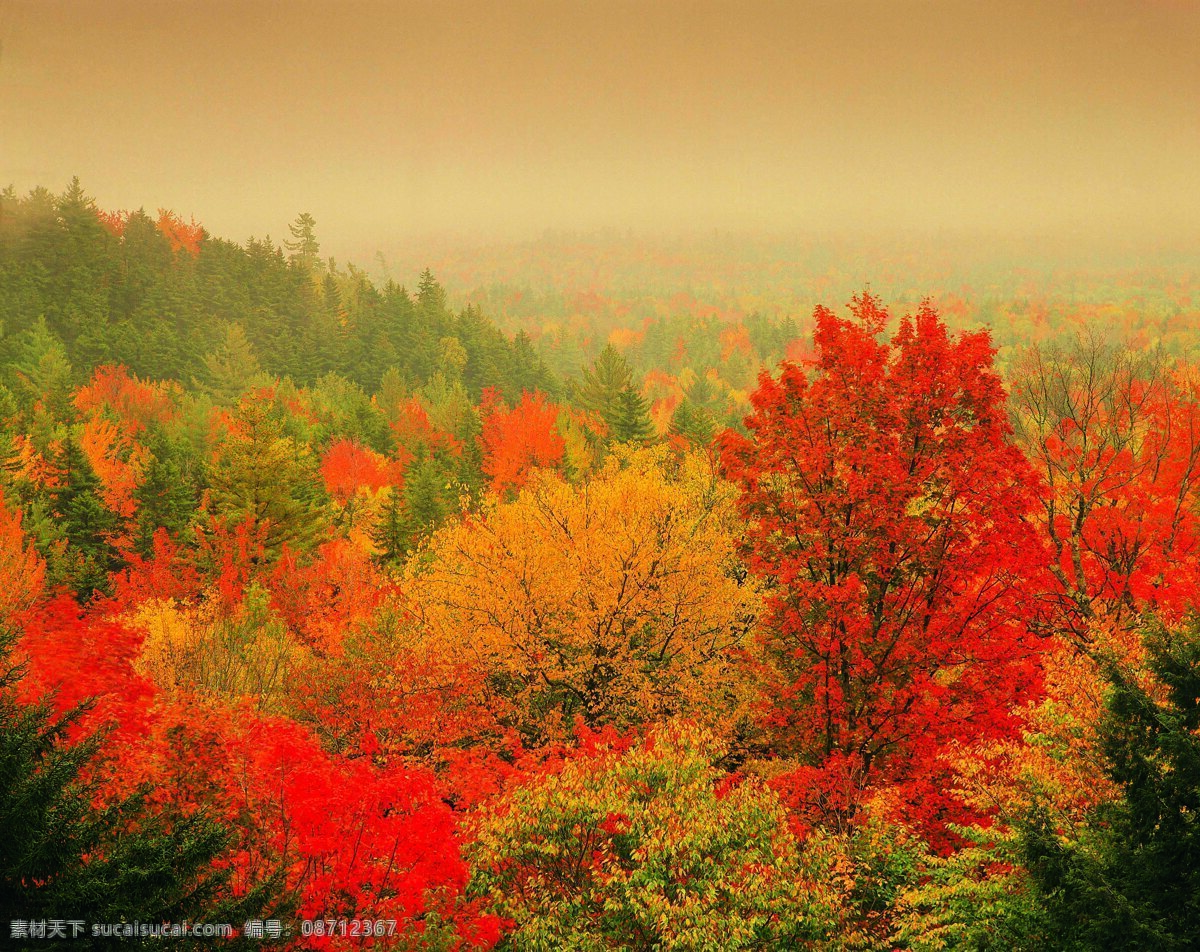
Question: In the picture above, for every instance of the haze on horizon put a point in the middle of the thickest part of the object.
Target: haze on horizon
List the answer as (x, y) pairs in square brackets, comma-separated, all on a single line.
[(393, 120)]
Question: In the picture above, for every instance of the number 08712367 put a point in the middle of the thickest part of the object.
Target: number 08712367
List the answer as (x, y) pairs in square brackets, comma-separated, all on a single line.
[(354, 928)]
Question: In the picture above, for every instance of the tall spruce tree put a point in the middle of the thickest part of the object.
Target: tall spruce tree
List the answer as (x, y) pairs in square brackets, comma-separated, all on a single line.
[(694, 423), (82, 517), (630, 422), (265, 476), (603, 383), (304, 250)]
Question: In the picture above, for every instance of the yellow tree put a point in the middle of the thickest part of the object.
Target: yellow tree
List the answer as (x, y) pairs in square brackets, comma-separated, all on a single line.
[(247, 653), (618, 602)]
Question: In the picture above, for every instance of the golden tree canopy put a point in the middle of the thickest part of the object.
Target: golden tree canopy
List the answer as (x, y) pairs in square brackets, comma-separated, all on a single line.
[(619, 602)]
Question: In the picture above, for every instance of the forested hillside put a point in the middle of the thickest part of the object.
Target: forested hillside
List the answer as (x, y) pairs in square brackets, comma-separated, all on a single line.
[(167, 300), (343, 615)]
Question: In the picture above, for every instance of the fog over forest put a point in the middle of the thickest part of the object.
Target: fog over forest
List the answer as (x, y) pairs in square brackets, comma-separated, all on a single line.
[(396, 121)]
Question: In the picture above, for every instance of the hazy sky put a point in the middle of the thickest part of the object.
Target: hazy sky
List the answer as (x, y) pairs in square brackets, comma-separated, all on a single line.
[(400, 118)]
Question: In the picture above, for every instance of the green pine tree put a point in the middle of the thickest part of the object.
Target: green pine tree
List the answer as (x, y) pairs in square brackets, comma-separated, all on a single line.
[(425, 497), (85, 563), (603, 383), (391, 534), (267, 477), (630, 421), (167, 497), (694, 423), (431, 297), (304, 249), (231, 367)]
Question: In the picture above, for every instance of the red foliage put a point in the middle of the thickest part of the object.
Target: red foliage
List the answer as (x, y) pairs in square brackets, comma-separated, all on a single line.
[(430, 714), (231, 556), (182, 235), (518, 440), (324, 598), (887, 505), (347, 467), (134, 403), (1116, 437), (73, 657), (352, 838)]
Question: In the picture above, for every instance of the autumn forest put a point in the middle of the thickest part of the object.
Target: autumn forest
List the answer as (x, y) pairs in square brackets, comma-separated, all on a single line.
[(592, 614)]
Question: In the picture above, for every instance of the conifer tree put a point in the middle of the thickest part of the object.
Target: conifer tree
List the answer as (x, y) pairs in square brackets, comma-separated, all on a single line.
[(630, 420), (431, 296), (82, 517), (167, 496), (695, 424), (603, 383), (231, 366), (1133, 881), (304, 248), (262, 475)]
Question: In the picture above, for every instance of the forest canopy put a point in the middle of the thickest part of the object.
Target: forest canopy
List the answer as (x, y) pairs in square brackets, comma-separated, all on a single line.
[(589, 618)]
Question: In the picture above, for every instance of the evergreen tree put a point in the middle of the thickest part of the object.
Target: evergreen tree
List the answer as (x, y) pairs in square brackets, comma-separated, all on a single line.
[(262, 475), (1133, 882), (695, 424), (392, 533), (83, 519), (231, 366), (702, 393), (167, 497), (630, 422), (40, 371), (603, 383), (424, 496), (304, 248), (431, 297)]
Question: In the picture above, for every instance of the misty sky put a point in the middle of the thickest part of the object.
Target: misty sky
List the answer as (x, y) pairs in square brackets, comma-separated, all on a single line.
[(397, 119)]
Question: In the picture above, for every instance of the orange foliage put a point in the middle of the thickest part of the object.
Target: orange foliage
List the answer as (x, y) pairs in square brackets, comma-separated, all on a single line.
[(113, 222), (135, 403), (348, 467), (22, 571), (181, 235), (1056, 761), (519, 440), (623, 338), (735, 340), (325, 598), (118, 462), (29, 465), (662, 411), (416, 433), (169, 573)]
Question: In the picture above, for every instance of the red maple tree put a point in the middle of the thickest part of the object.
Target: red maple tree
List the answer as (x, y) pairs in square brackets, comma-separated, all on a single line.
[(889, 513), (518, 440)]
